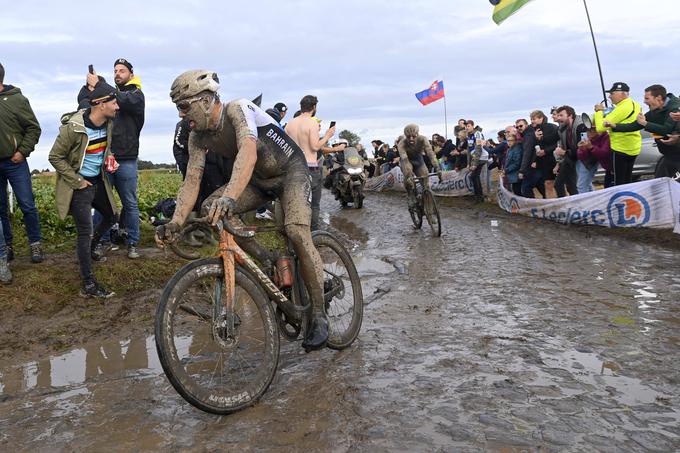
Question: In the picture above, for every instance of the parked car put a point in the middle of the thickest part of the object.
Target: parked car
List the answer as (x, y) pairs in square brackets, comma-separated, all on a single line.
[(645, 163)]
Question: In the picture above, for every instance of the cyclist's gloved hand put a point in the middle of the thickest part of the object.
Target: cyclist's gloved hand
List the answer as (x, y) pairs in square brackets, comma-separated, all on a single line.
[(166, 234), (440, 175), (219, 208)]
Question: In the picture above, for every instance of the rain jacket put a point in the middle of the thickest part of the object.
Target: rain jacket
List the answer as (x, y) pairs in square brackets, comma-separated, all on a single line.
[(128, 122), (625, 112), (19, 128), (659, 122), (67, 155)]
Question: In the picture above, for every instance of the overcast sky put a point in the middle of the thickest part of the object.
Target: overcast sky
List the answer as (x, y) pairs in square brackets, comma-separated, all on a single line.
[(364, 59)]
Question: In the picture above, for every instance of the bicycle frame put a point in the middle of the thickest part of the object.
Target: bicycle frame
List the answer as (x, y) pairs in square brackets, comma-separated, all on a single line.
[(232, 254)]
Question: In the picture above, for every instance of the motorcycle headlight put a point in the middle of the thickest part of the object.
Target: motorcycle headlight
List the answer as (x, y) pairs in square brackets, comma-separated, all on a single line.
[(354, 171)]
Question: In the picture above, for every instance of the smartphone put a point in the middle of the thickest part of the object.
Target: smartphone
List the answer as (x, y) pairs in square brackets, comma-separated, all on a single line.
[(584, 136), (90, 69), (332, 124)]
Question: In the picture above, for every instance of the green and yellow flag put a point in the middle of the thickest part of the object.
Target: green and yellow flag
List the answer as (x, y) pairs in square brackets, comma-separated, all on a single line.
[(505, 8)]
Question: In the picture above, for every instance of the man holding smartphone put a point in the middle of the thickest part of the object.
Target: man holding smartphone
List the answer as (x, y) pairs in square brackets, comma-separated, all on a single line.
[(127, 126), (304, 130)]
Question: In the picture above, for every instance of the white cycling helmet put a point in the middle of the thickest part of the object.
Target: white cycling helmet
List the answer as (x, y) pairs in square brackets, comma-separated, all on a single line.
[(190, 83)]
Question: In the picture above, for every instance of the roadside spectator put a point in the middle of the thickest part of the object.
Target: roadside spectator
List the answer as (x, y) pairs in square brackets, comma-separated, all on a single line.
[(460, 127), (179, 146), (127, 126), (529, 172), (5, 273), (545, 159), (498, 151), (446, 148), (593, 151), (478, 158), (379, 157), (19, 133), (566, 154), (513, 160), (658, 121), (304, 130), (625, 145), (79, 156), (461, 151)]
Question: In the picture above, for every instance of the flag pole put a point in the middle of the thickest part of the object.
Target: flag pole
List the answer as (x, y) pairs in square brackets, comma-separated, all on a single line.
[(446, 124), (597, 56)]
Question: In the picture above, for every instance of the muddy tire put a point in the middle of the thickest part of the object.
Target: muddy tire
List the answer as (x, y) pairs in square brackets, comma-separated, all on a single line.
[(358, 198), (432, 212), (344, 300), (218, 376), (416, 217)]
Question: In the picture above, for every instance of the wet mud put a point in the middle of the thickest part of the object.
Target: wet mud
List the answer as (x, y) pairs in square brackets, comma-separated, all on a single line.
[(505, 334)]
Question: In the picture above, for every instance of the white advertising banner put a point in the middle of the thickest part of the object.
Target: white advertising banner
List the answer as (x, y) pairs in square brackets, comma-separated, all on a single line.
[(454, 183), (650, 204)]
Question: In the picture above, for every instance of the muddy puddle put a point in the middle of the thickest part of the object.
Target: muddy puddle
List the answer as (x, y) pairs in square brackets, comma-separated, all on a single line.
[(505, 334)]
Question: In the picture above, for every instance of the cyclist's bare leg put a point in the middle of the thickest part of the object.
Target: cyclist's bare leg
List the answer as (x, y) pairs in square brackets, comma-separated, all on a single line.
[(297, 212)]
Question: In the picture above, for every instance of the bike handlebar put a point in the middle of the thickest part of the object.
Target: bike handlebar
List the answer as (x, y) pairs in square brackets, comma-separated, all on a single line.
[(224, 223)]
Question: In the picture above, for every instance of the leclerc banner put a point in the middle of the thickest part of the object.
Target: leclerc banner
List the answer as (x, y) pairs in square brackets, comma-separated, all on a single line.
[(454, 184), (649, 204)]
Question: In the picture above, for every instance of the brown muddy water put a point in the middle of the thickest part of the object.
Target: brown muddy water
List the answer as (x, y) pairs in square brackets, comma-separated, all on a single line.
[(505, 334)]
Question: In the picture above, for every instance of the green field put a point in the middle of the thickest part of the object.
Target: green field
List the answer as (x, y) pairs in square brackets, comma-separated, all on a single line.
[(59, 235)]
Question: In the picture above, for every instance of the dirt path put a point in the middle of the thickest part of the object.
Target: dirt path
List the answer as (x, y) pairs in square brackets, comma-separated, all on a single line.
[(510, 335)]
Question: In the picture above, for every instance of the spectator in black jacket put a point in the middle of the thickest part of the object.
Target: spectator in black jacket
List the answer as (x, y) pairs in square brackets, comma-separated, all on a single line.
[(529, 172), (548, 141), (566, 154), (127, 126)]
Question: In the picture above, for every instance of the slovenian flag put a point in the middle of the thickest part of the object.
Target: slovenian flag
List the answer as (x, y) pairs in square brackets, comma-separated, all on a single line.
[(505, 8), (434, 93)]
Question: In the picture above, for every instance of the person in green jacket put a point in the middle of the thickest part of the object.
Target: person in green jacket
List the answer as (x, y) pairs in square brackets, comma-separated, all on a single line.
[(19, 133), (625, 145), (79, 155), (659, 122)]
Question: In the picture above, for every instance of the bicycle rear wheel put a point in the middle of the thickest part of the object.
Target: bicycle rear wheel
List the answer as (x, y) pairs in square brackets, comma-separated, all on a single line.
[(432, 212), (213, 372), (344, 300)]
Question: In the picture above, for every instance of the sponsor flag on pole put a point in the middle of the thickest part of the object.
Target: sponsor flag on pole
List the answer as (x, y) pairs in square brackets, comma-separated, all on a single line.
[(434, 93), (505, 8)]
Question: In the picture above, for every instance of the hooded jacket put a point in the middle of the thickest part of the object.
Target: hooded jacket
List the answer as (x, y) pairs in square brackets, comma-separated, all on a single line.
[(19, 128), (128, 122), (625, 112), (67, 155), (659, 122)]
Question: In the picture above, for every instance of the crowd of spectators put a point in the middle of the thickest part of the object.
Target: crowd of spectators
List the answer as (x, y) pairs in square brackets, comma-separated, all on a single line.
[(539, 157)]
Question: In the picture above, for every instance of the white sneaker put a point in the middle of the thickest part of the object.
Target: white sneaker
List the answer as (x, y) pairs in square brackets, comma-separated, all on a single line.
[(266, 215)]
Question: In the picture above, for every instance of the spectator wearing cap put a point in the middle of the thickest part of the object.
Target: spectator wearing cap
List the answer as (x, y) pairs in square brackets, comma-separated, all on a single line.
[(19, 133), (659, 123), (282, 109), (79, 156), (127, 126), (625, 145)]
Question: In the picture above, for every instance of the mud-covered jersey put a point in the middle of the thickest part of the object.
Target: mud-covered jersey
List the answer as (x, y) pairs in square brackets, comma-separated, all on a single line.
[(415, 152), (277, 153)]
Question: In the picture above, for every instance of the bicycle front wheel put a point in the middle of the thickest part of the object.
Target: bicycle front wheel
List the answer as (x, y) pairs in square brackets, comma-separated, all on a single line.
[(432, 212), (343, 298), (219, 362), (414, 210)]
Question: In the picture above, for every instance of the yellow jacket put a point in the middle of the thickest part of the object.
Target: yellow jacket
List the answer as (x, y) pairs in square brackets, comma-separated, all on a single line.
[(624, 112)]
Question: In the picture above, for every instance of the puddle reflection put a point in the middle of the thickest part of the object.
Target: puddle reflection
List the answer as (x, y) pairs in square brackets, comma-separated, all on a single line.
[(81, 365)]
